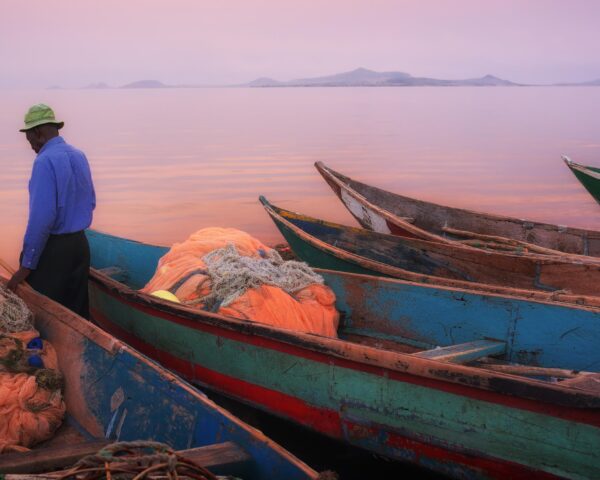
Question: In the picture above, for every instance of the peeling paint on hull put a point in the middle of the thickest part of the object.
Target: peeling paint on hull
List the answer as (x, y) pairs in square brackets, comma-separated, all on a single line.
[(448, 418)]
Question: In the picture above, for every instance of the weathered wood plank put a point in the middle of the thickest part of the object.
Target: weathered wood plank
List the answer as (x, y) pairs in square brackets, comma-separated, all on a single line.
[(215, 457), (49, 458), (587, 381), (531, 371), (464, 352)]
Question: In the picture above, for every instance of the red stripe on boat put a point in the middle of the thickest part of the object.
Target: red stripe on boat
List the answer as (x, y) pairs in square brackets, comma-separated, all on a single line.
[(322, 420), (587, 416)]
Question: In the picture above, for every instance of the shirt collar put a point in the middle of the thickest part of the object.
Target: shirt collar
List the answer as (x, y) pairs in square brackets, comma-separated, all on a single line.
[(53, 141)]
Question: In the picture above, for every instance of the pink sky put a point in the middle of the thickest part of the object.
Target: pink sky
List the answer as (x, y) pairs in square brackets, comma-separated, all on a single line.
[(73, 43)]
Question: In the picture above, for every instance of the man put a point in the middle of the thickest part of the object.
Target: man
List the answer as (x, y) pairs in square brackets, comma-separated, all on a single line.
[(56, 257)]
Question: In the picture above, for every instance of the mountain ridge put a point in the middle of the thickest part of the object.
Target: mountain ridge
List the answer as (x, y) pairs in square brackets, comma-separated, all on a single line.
[(359, 77), (363, 77)]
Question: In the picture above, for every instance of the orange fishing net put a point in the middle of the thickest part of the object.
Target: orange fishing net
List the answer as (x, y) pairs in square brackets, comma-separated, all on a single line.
[(186, 272), (31, 402)]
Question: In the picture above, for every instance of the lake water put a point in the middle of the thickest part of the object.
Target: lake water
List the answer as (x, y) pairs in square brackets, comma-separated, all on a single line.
[(169, 162)]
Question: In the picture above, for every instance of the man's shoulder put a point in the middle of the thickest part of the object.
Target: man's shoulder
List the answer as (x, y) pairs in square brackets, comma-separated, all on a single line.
[(73, 149), (61, 149)]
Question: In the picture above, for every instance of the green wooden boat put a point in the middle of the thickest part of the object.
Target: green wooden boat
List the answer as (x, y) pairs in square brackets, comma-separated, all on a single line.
[(470, 385), (325, 244), (588, 176)]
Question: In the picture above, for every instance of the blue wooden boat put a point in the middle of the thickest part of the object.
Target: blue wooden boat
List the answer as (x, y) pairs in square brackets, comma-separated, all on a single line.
[(113, 393), (469, 384)]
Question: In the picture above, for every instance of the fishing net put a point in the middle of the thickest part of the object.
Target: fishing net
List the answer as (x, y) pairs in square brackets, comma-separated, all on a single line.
[(14, 314), (31, 401), (227, 271), (233, 274)]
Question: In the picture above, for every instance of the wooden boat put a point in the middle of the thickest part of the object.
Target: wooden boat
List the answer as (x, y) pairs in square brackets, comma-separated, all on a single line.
[(329, 245), (387, 212), (114, 393), (532, 272), (384, 385), (588, 176)]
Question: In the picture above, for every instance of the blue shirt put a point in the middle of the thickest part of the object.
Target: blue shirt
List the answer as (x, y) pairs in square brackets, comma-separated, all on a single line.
[(61, 197)]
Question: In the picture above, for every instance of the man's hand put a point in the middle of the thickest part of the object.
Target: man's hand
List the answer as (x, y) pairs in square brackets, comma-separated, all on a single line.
[(20, 275)]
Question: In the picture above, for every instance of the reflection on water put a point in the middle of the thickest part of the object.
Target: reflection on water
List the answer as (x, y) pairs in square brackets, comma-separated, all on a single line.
[(168, 162)]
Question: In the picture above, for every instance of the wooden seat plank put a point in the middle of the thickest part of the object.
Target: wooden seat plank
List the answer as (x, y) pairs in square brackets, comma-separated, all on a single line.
[(218, 456), (465, 352), (50, 458)]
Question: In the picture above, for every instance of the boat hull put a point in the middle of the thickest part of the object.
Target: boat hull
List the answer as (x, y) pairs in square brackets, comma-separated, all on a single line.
[(438, 416), (589, 177), (399, 416), (386, 212)]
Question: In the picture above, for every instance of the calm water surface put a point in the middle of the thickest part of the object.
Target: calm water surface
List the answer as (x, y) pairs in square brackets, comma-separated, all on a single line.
[(168, 162)]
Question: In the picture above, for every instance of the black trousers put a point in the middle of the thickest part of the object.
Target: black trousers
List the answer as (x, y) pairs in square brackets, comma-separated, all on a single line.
[(62, 272)]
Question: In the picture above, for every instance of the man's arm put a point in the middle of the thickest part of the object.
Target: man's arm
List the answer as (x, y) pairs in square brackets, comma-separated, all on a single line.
[(42, 215), (19, 276)]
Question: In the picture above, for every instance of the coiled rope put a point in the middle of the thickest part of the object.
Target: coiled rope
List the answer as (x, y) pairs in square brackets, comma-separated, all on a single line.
[(136, 461), (14, 314)]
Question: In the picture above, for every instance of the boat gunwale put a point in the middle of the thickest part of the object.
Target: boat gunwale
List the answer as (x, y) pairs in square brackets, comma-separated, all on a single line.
[(589, 171), (466, 376)]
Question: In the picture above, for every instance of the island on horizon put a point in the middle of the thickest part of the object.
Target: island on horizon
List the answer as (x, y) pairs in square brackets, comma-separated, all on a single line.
[(359, 77)]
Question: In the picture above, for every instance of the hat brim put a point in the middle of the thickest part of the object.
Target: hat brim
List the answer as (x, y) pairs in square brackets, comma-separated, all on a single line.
[(59, 125)]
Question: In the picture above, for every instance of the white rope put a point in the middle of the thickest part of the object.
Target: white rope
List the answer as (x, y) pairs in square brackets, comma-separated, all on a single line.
[(233, 274), (14, 314)]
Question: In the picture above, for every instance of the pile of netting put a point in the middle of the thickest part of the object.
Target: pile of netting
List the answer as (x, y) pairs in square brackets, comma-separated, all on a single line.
[(227, 271), (31, 401)]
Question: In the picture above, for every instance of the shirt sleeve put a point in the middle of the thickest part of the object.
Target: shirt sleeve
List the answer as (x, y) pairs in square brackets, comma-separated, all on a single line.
[(42, 213)]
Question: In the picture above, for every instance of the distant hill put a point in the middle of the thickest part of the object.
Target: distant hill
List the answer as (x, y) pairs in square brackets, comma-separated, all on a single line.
[(362, 77), (593, 83), (146, 84), (487, 81), (264, 82), (358, 77), (98, 85)]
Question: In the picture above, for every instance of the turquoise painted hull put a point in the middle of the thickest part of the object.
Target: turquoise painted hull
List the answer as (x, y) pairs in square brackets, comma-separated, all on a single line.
[(114, 393), (459, 420)]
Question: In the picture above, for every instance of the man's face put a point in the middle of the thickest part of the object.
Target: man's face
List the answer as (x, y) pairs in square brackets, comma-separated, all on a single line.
[(34, 139)]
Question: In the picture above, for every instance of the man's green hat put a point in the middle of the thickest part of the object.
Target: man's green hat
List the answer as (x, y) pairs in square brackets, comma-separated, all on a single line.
[(40, 114)]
